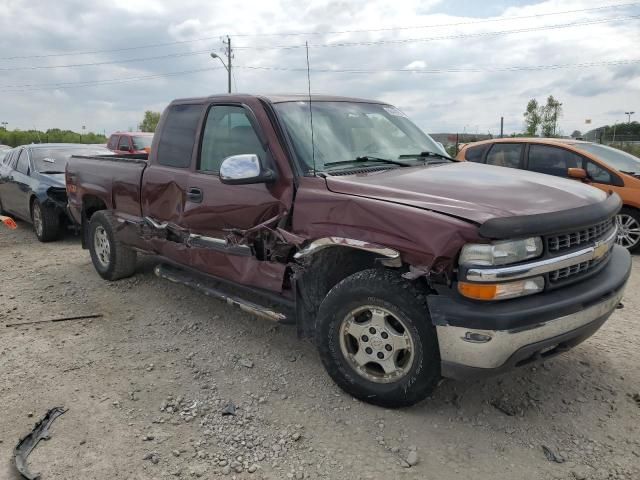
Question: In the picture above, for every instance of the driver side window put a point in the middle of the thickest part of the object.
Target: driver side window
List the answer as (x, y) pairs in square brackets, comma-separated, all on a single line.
[(227, 132)]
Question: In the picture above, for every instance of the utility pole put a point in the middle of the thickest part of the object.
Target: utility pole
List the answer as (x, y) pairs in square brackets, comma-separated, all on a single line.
[(628, 114), (501, 127), (229, 53)]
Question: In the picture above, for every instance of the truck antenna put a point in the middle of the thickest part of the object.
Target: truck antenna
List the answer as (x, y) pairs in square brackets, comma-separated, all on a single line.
[(313, 147)]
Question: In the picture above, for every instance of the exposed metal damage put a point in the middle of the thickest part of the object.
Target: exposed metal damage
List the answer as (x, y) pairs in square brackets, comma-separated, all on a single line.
[(26, 445)]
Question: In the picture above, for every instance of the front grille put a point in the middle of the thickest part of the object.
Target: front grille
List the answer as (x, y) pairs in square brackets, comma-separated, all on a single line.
[(577, 269), (567, 241)]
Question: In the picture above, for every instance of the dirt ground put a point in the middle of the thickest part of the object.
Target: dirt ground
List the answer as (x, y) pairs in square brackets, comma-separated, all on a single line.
[(146, 384)]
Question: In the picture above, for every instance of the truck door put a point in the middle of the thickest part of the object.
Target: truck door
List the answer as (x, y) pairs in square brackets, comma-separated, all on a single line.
[(213, 208)]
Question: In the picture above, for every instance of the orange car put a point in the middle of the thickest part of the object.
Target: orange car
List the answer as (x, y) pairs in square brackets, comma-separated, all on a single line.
[(604, 167)]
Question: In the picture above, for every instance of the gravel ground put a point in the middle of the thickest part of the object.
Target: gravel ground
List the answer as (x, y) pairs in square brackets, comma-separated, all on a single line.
[(146, 386)]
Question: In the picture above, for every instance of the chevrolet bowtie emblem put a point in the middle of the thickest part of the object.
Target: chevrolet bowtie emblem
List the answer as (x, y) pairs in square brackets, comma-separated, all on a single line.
[(600, 250)]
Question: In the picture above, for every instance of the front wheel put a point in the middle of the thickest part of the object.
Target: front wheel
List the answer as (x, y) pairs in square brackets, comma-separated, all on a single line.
[(46, 222), (628, 222), (111, 259), (376, 339)]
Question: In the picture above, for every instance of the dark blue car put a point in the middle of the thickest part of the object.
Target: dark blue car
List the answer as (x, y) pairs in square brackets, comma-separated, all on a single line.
[(32, 185)]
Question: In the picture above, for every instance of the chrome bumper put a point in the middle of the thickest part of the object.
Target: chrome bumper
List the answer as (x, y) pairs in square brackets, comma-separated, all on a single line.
[(493, 349)]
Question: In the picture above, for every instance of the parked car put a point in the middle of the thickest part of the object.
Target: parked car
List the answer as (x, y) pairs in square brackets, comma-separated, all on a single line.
[(604, 167), (404, 265), (130, 142), (32, 185)]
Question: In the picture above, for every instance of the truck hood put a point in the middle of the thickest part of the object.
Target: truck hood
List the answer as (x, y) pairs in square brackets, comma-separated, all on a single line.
[(471, 191)]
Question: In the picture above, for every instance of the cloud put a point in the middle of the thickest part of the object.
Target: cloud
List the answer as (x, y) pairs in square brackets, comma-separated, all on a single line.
[(437, 102)]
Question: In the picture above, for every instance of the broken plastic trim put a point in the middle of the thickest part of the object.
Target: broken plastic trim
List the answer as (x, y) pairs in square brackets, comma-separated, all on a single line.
[(28, 443), (392, 257)]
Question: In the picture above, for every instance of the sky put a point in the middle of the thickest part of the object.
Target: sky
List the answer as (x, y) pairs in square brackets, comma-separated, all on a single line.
[(469, 62)]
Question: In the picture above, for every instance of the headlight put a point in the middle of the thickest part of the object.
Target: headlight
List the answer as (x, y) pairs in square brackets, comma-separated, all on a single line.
[(501, 291), (501, 253)]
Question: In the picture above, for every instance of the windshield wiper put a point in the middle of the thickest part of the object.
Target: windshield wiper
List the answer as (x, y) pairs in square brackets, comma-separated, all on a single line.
[(368, 158), (426, 154), (630, 173), (50, 172)]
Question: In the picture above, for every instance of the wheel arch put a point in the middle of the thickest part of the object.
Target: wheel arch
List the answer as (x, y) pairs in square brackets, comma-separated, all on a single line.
[(90, 205), (324, 263)]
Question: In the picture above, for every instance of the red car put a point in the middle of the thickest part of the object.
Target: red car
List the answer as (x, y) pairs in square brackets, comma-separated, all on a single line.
[(130, 142)]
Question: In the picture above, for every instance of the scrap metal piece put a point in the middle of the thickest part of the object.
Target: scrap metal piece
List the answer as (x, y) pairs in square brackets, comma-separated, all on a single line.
[(28, 443), (9, 222), (326, 242), (54, 320)]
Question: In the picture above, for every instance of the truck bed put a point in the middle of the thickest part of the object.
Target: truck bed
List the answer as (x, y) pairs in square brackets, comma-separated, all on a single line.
[(116, 181)]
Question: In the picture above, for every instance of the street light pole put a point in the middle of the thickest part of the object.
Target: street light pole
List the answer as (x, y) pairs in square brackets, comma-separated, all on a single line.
[(227, 68), (628, 114)]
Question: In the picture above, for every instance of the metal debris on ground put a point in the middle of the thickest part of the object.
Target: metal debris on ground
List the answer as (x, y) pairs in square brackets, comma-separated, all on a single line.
[(229, 409), (53, 320), (26, 445), (551, 455)]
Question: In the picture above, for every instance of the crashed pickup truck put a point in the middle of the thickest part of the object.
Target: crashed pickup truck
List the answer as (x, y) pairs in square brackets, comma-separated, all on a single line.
[(342, 217)]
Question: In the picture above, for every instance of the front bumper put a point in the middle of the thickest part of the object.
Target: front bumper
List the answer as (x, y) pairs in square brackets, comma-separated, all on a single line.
[(478, 339)]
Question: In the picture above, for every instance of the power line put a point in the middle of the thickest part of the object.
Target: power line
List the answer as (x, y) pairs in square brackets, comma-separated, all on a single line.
[(64, 85), (444, 37), (110, 62), (515, 68), (328, 32)]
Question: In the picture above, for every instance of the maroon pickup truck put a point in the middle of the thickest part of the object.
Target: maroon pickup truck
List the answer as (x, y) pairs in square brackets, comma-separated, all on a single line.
[(341, 216)]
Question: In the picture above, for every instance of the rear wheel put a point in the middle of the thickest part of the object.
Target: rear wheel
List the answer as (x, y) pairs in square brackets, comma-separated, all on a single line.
[(46, 222), (628, 222), (376, 339), (111, 259)]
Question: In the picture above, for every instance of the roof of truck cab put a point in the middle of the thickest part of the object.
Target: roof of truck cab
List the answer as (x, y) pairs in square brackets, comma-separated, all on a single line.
[(277, 98)]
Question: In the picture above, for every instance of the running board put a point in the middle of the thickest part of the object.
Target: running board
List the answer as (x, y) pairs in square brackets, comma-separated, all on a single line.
[(205, 286)]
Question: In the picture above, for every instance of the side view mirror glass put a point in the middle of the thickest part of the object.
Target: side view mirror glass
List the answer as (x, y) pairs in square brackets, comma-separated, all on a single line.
[(577, 173), (244, 169)]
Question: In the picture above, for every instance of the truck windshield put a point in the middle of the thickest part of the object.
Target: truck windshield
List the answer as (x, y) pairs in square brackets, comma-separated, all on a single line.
[(350, 132), (622, 161)]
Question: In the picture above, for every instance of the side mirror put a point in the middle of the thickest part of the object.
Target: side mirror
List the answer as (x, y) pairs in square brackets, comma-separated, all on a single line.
[(243, 170), (577, 173)]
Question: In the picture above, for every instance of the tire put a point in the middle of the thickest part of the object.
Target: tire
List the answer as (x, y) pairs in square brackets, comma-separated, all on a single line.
[(393, 305), (111, 259), (45, 221), (628, 221)]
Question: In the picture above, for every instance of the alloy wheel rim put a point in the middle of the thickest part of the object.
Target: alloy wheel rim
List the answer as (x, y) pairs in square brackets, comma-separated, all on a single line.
[(37, 219), (377, 344), (628, 230), (101, 246)]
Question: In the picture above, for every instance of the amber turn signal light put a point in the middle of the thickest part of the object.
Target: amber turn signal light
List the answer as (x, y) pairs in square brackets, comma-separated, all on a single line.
[(478, 291)]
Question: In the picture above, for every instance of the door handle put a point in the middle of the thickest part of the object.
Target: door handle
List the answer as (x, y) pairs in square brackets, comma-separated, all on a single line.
[(194, 195)]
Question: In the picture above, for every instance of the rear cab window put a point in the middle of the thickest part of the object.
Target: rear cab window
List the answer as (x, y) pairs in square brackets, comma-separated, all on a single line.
[(475, 154), (124, 143), (178, 136), (505, 155), (113, 142)]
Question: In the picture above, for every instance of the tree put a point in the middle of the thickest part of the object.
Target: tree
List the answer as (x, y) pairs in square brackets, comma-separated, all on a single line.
[(532, 118), (576, 134), (149, 122), (551, 112)]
